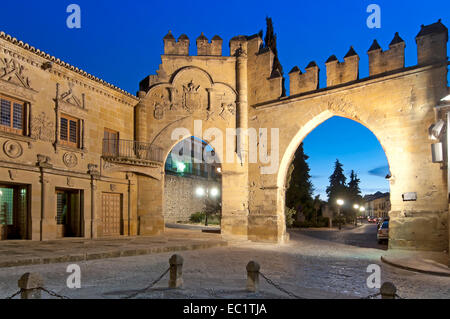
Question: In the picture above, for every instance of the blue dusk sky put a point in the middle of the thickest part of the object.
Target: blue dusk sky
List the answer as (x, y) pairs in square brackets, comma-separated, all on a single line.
[(121, 42)]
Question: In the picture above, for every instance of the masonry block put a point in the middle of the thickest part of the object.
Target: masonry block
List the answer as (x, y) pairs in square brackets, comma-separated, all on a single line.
[(172, 47), (213, 48), (304, 82), (384, 61), (342, 72)]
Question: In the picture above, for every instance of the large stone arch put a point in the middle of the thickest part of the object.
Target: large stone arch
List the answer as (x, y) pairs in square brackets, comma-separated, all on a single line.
[(400, 119), (194, 105)]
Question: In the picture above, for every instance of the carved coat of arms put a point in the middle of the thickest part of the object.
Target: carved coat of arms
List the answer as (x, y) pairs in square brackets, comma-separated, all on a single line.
[(191, 97)]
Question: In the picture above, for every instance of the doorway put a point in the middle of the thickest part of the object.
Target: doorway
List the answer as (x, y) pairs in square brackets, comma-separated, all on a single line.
[(14, 212), (69, 215)]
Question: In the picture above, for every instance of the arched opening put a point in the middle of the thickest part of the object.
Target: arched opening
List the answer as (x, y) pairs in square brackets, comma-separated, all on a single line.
[(337, 177), (192, 186)]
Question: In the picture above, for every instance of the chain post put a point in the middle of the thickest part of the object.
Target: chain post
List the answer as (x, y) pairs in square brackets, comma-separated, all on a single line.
[(30, 284), (253, 276)]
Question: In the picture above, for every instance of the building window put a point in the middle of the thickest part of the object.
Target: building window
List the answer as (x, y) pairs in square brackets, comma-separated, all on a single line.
[(110, 142), (69, 131), (11, 115)]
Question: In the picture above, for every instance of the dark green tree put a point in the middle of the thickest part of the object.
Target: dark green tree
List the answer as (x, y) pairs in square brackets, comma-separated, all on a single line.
[(270, 41), (337, 188), (354, 192), (300, 188)]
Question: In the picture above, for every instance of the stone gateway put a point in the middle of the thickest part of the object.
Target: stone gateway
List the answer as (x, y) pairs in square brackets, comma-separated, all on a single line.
[(83, 158)]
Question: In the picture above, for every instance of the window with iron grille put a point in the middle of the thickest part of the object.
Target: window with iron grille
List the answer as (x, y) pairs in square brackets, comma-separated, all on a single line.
[(11, 115), (69, 130)]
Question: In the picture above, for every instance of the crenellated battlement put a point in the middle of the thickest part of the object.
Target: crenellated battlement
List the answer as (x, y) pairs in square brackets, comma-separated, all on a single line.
[(384, 61), (342, 72), (213, 48), (265, 75), (172, 47), (304, 82)]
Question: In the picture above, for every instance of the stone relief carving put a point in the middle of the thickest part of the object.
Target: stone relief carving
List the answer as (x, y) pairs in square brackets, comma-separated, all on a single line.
[(193, 92), (69, 181), (340, 105), (93, 169), (13, 72), (162, 102), (191, 97), (43, 161), (42, 128), (70, 160), (113, 187), (69, 97), (12, 174), (12, 149)]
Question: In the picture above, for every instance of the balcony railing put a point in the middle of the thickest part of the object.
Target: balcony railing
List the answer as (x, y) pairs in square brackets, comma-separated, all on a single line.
[(134, 150)]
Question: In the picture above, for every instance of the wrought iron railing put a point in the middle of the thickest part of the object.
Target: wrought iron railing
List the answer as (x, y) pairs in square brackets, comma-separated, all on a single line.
[(132, 150)]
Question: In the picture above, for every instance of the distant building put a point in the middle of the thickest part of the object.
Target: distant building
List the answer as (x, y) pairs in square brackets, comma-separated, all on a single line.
[(378, 204), (185, 174), (193, 163)]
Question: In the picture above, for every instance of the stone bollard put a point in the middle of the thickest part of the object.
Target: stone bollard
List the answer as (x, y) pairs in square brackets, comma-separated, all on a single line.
[(176, 271), (388, 290), (253, 276), (29, 284)]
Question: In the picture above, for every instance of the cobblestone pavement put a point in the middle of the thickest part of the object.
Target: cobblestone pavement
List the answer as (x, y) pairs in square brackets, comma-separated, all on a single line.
[(307, 266), (363, 236)]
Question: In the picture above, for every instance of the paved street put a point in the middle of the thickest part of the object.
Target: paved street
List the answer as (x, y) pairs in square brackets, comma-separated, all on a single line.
[(310, 265), (362, 236)]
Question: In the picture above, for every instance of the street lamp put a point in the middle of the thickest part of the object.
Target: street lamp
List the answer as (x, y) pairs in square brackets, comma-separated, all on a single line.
[(356, 207), (202, 192), (214, 192), (339, 202), (362, 209)]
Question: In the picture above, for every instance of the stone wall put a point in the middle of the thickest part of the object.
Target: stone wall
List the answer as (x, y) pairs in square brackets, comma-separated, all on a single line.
[(180, 200)]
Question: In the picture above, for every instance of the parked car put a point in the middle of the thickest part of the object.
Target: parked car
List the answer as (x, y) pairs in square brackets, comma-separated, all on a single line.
[(381, 220), (383, 232), (371, 219)]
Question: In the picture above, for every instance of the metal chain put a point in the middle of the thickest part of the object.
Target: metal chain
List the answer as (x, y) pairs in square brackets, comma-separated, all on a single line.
[(148, 287), (52, 293), (15, 294), (290, 294)]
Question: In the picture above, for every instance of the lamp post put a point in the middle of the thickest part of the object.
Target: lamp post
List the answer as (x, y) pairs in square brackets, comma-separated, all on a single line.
[(339, 202), (202, 192), (356, 207), (362, 209)]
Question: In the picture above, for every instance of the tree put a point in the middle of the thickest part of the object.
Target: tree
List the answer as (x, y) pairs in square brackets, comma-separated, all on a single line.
[(300, 188), (270, 41), (338, 187), (354, 192)]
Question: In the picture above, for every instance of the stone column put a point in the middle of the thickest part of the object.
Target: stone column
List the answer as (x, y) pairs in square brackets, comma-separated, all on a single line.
[(141, 118), (234, 221), (48, 224), (242, 105)]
